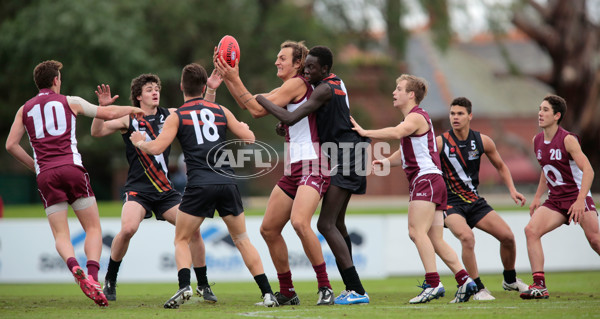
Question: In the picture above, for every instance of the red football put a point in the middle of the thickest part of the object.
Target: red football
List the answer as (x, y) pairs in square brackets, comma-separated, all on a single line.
[(228, 50)]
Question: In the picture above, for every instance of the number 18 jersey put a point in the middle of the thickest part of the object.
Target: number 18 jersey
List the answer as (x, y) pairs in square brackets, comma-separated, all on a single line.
[(563, 177), (202, 129)]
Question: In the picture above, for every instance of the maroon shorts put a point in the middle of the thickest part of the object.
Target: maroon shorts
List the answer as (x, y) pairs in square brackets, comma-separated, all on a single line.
[(430, 188), (304, 173), (562, 206), (64, 184)]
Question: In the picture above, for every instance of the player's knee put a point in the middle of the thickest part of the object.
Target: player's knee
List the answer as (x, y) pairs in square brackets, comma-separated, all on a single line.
[(324, 227), (507, 239), (240, 239), (127, 231), (467, 240), (196, 236), (413, 234), (594, 240), (266, 233), (531, 231), (300, 226)]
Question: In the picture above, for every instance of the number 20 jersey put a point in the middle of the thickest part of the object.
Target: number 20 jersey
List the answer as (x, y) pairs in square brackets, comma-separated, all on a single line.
[(202, 129), (563, 177)]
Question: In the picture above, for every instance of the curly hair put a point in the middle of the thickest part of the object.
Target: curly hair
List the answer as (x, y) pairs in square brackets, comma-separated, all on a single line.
[(138, 83)]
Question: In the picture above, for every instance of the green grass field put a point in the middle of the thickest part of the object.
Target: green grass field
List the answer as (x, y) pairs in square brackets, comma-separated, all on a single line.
[(572, 295), (113, 209)]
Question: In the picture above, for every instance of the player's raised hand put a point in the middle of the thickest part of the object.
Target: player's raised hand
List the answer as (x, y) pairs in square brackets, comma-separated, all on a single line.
[(214, 80), (103, 94), (227, 72)]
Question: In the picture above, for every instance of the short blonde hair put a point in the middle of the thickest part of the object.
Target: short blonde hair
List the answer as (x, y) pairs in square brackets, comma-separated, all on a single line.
[(414, 84)]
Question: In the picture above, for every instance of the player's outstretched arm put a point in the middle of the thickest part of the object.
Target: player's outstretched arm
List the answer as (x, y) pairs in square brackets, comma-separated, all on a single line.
[(162, 141), (393, 160), (239, 129), (13, 141), (111, 112), (411, 124), (321, 95), (101, 127), (492, 153)]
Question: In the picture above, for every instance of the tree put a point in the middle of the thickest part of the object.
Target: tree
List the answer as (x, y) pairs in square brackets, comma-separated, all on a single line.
[(563, 29), (114, 41)]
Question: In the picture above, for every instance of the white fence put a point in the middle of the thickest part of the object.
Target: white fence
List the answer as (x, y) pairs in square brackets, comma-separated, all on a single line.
[(381, 248)]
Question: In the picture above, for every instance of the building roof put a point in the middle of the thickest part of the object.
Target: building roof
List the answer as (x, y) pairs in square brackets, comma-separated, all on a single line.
[(477, 71)]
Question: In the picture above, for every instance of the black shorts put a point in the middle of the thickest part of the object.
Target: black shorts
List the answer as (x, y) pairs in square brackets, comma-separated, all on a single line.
[(350, 175), (201, 201), (355, 183), (157, 203), (472, 213)]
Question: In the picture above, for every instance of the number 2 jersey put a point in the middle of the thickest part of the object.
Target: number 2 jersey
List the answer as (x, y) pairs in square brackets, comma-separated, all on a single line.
[(563, 177), (460, 165), (202, 130), (50, 125), (147, 173)]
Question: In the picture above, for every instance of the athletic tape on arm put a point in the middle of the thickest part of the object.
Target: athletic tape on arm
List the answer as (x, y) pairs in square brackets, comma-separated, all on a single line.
[(89, 109)]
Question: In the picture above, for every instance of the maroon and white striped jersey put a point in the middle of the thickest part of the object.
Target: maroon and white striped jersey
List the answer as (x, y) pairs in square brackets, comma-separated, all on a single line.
[(50, 124), (563, 177), (419, 152)]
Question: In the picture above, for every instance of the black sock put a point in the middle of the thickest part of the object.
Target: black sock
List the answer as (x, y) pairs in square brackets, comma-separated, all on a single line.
[(342, 274), (113, 270), (184, 277), (201, 276), (480, 285), (510, 276), (353, 280), (263, 284)]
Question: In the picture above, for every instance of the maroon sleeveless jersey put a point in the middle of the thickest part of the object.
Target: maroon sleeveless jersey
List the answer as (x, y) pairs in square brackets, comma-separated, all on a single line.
[(50, 124), (563, 177), (419, 152)]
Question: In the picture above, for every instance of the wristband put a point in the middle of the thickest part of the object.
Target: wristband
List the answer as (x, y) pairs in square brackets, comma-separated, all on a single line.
[(210, 91)]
